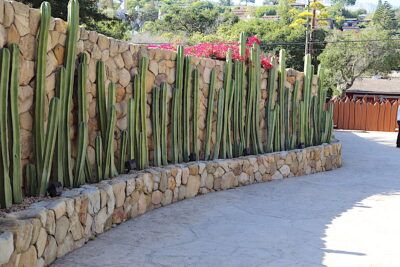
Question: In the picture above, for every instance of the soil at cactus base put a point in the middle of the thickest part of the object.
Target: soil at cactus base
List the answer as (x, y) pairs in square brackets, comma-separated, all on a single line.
[(25, 204)]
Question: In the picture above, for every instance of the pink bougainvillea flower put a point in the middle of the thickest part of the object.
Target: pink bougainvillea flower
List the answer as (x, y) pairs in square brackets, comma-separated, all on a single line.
[(219, 50)]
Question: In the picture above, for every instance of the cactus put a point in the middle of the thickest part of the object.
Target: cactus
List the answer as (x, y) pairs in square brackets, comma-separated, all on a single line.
[(16, 146), (5, 182), (220, 115), (177, 108), (163, 123), (70, 57), (195, 119), (39, 133), (156, 126), (282, 99), (210, 111), (174, 123), (187, 90), (99, 158), (122, 151), (271, 114), (227, 94), (131, 129), (79, 178), (236, 111), (307, 98), (109, 171), (31, 179), (101, 95), (295, 115), (256, 65), (51, 134), (144, 65)]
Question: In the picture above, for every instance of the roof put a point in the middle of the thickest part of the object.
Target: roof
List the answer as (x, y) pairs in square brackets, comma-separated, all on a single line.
[(375, 86)]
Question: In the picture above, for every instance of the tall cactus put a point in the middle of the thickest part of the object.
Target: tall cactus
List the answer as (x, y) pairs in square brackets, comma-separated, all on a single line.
[(256, 72), (70, 57), (308, 73), (220, 116), (122, 151), (101, 97), (177, 108), (295, 115), (83, 122), (227, 87), (271, 115), (5, 183), (195, 119), (156, 126), (187, 91), (109, 168), (51, 134), (39, 129), (16, 146), (209, 118), (282, 98), (164, 123), (144, 65), (131, 129), (99, 158)]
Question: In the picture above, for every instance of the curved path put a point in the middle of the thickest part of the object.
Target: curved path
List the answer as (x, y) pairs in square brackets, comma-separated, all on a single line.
[(346, 217)]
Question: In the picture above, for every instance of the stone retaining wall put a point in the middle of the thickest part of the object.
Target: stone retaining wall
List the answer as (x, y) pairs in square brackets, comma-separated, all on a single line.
[(20, 24), (48, 230)]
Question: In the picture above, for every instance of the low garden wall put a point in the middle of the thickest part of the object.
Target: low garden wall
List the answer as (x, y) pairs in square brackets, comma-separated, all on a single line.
[(49, 229)]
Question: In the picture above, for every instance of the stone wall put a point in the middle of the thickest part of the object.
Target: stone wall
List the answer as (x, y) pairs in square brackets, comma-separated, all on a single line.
[(19, 24), (49, 229)]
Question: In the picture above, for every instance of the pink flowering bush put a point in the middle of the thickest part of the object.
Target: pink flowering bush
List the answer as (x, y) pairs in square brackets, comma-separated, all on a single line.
[(219, 50)]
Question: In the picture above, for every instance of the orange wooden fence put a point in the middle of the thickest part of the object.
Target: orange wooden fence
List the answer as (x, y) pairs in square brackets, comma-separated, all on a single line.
[(363, 115)]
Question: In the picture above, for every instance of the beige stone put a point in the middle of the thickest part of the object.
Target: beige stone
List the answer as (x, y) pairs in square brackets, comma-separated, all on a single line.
[(28, 258), (1, 11), (50, 223), (156, 197), (8, 14), (6, 247), (119, 193), (167, 197), (41, 242), (13, 36), (26, 121), (75, 227), (128, 60), (227, 181), (23, 236), (192, 186), (34, 21), (21, 21), (27, 72), (103, 42), (28, 46), (119, 61), (62, 227), (59, 54), (124, 77), (50, 253), (66, 246)]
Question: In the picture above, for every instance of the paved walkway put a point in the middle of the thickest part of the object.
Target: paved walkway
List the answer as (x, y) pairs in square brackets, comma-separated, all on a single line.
[(346, 217)]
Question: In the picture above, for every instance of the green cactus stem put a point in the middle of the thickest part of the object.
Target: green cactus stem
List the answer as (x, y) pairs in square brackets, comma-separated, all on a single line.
[(131, 129), (195, 119), (227, 94), (70, 57), (83, 141), (144, 65), (295, 115), (16, 145), (39, 128), (6, 195), (60, 154), (156, 126), (101, 97), (187, 91), (220, 115), (164, 124), (210, 112), (99, 158), (282, 98), (180, 64), (256, 65), (122, 151), (270, 114), (31, 178), (109, 145), (51, 134), (308, 73)]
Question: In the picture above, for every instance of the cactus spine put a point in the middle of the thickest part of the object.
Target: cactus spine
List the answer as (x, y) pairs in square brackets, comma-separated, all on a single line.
[(164, 123), (220, 116), (187, 90), (51, 134), (156, 126), (83, 122), (39, 129), (16, 146), (210, 111), (5, 188), (195, 119)]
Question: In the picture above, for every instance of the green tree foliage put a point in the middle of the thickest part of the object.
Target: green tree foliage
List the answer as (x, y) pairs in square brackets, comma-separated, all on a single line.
[(385, 16), (197, 17), (344, 2), (90, 15), (265, 11), (349, 55)]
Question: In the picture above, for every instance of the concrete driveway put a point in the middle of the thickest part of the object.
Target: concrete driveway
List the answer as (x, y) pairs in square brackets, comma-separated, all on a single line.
[(346, 217)]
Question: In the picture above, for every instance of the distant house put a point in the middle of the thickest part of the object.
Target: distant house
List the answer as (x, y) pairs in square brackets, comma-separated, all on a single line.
[(375, 89)]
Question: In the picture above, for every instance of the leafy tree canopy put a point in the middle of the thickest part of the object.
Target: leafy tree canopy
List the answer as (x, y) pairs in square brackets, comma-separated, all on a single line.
[(385, 16)]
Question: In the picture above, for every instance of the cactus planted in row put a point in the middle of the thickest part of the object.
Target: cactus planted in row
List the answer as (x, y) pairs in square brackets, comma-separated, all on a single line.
[(220, 116), (195, 119), (122, 151), (156, 126), (164, 123), (99, 158), (187, 91), (144, 158), (5, 181), (209, 116), (227, 87)]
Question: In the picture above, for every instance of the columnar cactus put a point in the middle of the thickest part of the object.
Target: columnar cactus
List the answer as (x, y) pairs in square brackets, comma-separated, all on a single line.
[(164, 123), (227, 87), (16, 146), (99, 158), (271, 115), (109, 165), (282, 98), (6, 195), (156, 126), (144, 65), (295, 115), (40, 91), (209, 119), (83, 138), (220, 116), (122, 151), (187, 90), (131, 129), (195, 119)]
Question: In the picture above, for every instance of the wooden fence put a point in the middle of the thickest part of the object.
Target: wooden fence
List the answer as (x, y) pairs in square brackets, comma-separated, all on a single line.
[(363, 115)]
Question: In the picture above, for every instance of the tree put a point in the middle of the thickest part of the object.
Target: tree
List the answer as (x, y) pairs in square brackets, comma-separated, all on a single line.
[(349, 55), (90, 15), (344, 2), (385, 16)]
